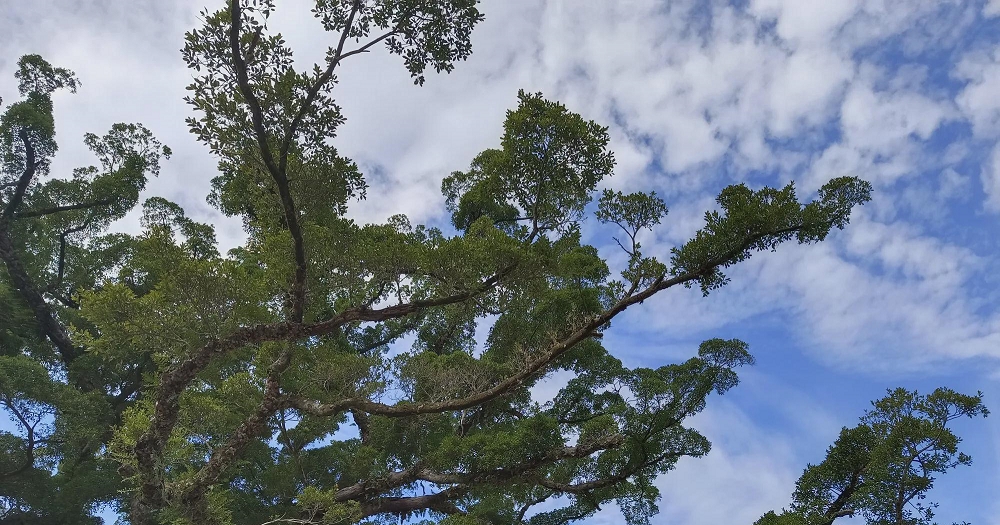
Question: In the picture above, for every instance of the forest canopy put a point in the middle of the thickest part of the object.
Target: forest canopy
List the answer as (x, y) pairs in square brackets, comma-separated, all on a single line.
[(328, 371)]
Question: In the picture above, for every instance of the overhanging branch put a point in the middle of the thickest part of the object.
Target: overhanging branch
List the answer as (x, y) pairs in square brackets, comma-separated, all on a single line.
[(174, 381), (59, 209)]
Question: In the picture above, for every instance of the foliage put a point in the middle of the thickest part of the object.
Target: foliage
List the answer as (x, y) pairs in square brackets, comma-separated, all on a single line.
[(328, 371), (883, 468)]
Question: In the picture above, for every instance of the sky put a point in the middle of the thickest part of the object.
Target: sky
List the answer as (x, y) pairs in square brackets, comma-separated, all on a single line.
[(698, 95)]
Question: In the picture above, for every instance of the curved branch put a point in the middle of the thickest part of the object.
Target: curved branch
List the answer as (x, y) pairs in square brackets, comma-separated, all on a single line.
[(406, 409), (22, 282), (30, 166), (286, 142), (366, 47), (29, 453), (196, 488), (369, 488), (440, 502), (173, 382), (443, 501)]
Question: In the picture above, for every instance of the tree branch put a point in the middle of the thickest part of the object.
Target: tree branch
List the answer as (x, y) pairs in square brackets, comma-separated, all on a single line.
[(531, 503), (366, 47), (366, 489), (61, 266), (364, 425), (297, 292), (173, 382), (407, 409), (196, 487), (838, 508), (286, 142), (29, 459), (22, 282), (59, 209), (405, 505), (442, 501), (24, 181)]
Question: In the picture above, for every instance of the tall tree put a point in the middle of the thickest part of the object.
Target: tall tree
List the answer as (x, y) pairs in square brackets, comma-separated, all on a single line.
[(883, 468), (272, 385), (63, 399)]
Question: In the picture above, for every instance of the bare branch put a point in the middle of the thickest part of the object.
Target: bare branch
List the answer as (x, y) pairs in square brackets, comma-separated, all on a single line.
[(405, 505), (366, 47)]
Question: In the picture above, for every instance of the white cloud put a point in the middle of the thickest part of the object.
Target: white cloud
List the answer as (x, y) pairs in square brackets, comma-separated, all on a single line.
[(806, 22), (981, 106), (991, 180), (978, 99), (894, 300), (749, 471), (705, 92)]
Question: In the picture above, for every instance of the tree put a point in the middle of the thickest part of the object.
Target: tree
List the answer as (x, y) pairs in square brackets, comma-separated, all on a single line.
[(883, 468), (186, 386)]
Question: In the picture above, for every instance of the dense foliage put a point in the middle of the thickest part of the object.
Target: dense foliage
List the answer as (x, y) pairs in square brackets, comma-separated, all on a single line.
[(328, 371)]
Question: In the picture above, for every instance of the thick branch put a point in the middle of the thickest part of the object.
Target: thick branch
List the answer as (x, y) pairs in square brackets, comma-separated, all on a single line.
[(24, 181), (174, 381), (440, 502), (59, 209), (22, 282), (195, 488), (297, 293), (364, 425)]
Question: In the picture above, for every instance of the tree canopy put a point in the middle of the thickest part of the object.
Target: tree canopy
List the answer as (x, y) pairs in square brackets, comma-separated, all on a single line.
[(328, 371)]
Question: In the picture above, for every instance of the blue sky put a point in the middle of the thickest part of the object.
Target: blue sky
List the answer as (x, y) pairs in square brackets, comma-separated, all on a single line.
[(699, 95)]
